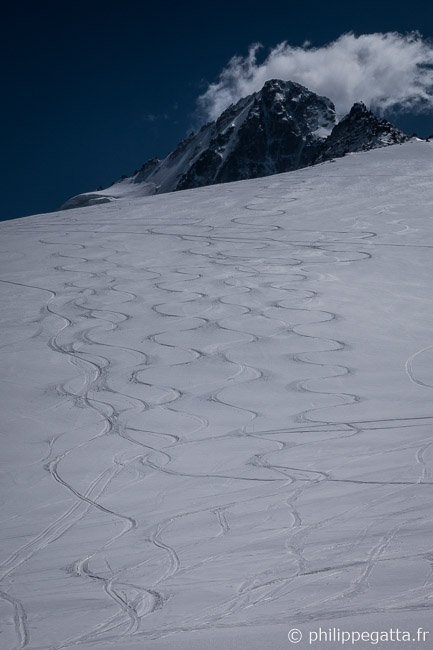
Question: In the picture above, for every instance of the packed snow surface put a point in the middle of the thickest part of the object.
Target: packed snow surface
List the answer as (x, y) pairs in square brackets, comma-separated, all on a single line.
[(217, 413)]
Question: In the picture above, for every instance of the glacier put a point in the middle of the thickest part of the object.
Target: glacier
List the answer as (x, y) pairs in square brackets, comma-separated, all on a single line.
[(217, 412)]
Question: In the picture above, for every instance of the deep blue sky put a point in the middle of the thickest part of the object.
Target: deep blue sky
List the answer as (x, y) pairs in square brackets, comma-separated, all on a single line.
[(80, 79)]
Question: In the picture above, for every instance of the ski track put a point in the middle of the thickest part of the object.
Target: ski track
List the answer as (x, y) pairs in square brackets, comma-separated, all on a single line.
[(210, 309)]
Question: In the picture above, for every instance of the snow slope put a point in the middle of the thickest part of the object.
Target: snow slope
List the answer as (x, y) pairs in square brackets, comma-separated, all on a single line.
[(217, 412)]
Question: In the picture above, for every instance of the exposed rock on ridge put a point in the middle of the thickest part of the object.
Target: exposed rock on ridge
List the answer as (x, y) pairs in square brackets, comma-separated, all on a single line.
[(282, 127)]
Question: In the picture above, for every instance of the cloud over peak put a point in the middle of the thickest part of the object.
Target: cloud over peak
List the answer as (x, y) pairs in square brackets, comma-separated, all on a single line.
[(384, 70)]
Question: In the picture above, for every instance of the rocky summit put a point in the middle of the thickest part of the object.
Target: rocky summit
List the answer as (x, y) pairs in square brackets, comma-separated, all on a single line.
[(281, 128), (278, 129), (360, 130)]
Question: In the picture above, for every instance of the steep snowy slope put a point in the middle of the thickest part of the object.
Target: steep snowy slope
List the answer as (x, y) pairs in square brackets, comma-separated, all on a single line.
[(283, 127), (217, 413)]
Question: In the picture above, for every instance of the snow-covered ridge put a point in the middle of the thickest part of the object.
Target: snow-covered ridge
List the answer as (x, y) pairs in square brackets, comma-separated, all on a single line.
[(283, 127)]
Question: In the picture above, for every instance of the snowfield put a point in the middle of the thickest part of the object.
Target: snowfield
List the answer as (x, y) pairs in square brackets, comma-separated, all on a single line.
[(217, 414)]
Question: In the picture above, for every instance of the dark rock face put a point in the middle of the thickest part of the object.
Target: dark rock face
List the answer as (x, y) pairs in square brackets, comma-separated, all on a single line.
[(146, 169), (360, 130), (282, 127), (276, 130)]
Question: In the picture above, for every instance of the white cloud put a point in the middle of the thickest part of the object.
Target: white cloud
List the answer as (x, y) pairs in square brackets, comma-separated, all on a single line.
[(384, 70)]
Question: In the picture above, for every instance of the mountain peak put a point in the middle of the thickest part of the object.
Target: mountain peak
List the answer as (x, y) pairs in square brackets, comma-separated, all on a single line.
[(282, 127), (273, 84), (277, 129), (359, 108), (360, 130), (278, 85)]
